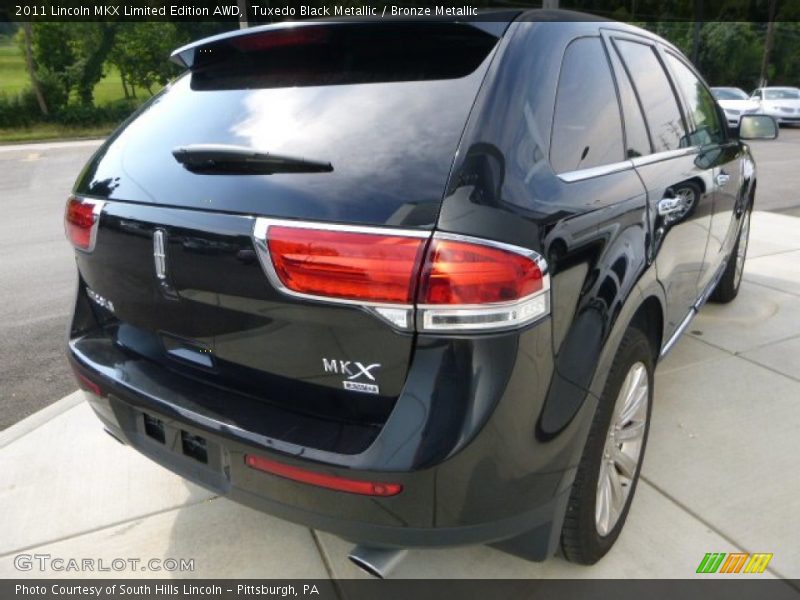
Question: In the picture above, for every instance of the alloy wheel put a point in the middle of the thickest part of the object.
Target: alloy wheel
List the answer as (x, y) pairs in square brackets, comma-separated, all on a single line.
[(623, 448)]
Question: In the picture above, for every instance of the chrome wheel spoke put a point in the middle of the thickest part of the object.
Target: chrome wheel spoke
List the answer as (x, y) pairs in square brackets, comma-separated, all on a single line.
[(618, 494), (603, 505), (631, 433), (638, 400), (627, 464)]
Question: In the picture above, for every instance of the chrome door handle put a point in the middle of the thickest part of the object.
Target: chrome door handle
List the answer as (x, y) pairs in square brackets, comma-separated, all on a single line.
[(722, 178), (669, 207)]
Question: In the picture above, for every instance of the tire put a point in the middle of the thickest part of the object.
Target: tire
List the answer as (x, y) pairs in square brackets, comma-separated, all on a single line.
[(728, 287), (586, 536)]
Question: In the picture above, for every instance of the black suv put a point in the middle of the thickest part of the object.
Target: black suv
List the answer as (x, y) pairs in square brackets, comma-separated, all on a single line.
[(408, 281)]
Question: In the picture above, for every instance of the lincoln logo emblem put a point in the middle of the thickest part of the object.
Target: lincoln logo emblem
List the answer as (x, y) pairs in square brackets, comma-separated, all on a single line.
[(159, 255)]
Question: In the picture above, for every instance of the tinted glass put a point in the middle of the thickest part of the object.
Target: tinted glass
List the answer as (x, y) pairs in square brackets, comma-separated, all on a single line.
[(587, 129), (728, 94), (341, 54), (636, 141), (787, 94), (703, 117), (658, 101), (391, 146)]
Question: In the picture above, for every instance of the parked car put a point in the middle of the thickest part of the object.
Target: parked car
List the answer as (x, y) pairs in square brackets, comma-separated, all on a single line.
[(782, 103), (412, 298), (735, 102)]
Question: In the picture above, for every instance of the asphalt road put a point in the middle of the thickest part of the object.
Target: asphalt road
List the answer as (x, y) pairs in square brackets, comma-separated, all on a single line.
[(37, 275), (37, 272)]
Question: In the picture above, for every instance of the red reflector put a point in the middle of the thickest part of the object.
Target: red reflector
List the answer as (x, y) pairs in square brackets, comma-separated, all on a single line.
[(459, 272), (87, 384), (79, 221), (280, 39), (331, 482), (352, 266)]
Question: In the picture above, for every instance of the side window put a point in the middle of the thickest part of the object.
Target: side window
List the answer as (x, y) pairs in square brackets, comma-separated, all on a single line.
[(704, 122), (637, 141), (658, 100), (587, 129)]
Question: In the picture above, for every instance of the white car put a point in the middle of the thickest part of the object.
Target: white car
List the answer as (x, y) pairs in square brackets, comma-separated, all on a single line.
[(783, 103), (735, 103)]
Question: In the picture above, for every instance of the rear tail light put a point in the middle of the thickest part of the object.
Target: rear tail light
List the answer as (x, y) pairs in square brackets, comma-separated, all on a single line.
[(81, 219), (346, 265), (331, 482), (453, 283), (470, 284)]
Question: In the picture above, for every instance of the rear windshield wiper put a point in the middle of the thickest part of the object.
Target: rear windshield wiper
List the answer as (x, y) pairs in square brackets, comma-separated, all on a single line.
[(222, 159)]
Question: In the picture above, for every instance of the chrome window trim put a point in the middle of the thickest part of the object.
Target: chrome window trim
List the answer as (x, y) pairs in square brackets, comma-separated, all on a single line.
[(640, 161), (618, 167), (599, 171)]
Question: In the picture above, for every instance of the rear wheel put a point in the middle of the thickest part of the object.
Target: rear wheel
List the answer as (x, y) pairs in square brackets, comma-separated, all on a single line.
[(609, 469), (728, 287)]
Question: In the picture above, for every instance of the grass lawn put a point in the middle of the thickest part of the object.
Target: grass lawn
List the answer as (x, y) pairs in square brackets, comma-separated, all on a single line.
[(14, 79), (13, 75), (52, 131)]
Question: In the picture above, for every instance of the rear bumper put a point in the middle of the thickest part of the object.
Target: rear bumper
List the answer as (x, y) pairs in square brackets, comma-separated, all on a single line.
[(497, 466), (257, 490)]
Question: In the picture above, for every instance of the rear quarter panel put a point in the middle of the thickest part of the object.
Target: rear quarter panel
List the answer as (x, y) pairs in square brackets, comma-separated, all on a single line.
[(594, 233)]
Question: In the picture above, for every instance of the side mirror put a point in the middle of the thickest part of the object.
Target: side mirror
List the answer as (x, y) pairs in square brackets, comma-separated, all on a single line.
[(757, 127)]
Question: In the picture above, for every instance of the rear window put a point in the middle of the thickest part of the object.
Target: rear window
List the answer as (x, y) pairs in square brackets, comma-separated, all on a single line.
[(387, 120), (782, 94), (340, 54), (655, 93), (728, 94), (587, 129)]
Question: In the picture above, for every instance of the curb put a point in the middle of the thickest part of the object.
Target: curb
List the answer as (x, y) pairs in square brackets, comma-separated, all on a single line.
[(40, 418)]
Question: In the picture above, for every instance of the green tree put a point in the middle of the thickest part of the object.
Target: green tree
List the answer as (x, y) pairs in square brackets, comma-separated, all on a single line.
[(72, 54), (142, 51), (785, 64), (730, 54)]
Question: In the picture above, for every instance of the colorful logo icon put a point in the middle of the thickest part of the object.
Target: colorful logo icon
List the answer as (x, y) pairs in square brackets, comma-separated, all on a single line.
[(734, 562)]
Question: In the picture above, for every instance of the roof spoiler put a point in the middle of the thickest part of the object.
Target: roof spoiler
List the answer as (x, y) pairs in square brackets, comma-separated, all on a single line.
[(494, 23)]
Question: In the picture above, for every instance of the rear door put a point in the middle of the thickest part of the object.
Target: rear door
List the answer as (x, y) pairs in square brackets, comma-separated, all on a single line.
[(716, 152), (679, 184)]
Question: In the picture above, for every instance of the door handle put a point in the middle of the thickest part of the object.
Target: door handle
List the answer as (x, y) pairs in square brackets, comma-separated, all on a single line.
[(722, 178), (669, 207)]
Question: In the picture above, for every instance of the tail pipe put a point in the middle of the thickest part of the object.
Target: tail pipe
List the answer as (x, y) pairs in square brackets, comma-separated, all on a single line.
[(378, 562)]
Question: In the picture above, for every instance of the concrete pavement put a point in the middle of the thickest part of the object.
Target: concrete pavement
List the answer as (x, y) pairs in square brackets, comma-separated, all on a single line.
[(720, 475)]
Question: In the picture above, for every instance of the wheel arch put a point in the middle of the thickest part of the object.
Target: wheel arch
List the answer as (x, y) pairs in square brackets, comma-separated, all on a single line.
[(649, 318)]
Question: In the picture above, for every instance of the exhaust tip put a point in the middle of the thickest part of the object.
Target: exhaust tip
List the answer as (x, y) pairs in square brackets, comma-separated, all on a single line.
[(378, 562)]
